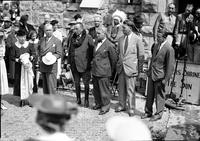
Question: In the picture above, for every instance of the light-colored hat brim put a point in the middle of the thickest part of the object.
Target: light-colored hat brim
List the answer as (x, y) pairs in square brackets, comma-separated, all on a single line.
[(49, 62)]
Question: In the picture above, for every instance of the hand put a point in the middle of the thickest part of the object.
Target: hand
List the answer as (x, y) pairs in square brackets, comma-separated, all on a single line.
[(164, 82)]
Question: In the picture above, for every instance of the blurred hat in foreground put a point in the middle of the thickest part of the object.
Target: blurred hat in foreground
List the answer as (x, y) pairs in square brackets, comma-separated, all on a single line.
[(53, 104), (127, 129), (49, 59), (6, 19)]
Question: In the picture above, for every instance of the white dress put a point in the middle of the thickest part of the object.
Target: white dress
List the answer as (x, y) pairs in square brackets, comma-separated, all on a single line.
[(3, 73)]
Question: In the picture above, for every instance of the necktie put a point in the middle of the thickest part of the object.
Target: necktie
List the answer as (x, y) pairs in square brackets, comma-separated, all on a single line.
[(126, 44)]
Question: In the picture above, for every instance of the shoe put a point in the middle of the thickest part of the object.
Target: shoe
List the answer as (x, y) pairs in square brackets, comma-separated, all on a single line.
[(96, 107), (103, 112), (86, 104), (119, 109), (131, 113), (22, 103), (155, 118), (146, 116)]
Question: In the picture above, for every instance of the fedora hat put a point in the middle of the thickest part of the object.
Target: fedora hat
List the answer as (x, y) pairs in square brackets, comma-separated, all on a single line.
[(49, 59), (53, 104), (121, 128)]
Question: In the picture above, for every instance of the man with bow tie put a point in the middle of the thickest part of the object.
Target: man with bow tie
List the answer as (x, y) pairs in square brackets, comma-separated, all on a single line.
[(129, 66), (160, 71), (103, 63)]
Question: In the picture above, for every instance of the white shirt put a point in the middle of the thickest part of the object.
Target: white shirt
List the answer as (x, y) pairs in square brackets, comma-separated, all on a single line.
[(99, 44), (162, 44)]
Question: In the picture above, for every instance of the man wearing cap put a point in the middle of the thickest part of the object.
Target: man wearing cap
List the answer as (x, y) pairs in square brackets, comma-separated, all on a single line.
[(97, 23), (50, 49), (131, 53), (41, 27), (103, 64), (79, 59)]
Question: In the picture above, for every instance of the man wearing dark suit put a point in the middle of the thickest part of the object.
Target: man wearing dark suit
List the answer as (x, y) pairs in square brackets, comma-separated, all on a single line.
[(131, 54), (49, 44), (103, 63), (79, 59), (160, 71)]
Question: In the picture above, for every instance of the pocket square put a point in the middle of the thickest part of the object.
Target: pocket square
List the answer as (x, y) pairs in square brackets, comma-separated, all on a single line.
[(53, 45)]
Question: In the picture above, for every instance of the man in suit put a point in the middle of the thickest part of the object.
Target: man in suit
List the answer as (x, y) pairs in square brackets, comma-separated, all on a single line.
[(97, 23), (183, 24), (49, 44), (104, 61), (79, 59), (47, 20), (160, 71), (131, 53)]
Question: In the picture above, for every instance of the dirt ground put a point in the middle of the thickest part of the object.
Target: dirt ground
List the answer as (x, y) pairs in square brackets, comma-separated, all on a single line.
[(18, 123)]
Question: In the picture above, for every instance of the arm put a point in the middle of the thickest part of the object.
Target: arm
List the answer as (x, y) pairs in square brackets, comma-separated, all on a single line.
[(170, 61), (140, 54), (112, 56), (155, 28), (176, 28), (90, 50), (58, 52), (32, 52)]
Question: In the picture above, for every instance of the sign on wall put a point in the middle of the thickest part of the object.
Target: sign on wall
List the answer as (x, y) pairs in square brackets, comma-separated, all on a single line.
[(191, 85)]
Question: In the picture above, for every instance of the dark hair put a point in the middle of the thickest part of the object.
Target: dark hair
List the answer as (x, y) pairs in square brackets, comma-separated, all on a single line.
[(129, 23), (21, 32), (31, 33), (24, 18), (138, 20), (53, 22), (77, 16)]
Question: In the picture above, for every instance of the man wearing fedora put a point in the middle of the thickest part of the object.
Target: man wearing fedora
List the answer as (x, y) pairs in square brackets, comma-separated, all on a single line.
[(79, 59), (50, 49)]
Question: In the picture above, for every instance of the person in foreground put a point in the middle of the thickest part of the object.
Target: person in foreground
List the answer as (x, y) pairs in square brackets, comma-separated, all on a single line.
[(121, 128), (160, 71), (52, 114)]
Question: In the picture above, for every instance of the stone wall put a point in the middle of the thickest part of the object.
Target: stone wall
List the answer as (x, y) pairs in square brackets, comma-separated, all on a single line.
[(64, 12)]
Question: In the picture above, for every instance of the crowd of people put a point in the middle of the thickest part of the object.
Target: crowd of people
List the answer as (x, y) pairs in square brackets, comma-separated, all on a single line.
[(100, 53)]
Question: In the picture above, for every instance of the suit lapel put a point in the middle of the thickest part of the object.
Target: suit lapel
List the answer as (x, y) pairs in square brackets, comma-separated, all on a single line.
[(101, 47), (130, 42)]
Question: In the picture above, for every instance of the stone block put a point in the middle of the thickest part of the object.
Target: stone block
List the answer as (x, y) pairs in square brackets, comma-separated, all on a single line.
[(25, 6), (153, 17), (162, 4), (150, 6)]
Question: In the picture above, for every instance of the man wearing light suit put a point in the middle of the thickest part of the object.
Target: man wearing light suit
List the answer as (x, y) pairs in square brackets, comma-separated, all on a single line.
[(49, 44), (160, 71), (129, 66), (103, 64)]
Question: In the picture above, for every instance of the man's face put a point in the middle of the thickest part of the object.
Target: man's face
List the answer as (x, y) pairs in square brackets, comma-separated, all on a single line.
[(97, 22), (188, 9), (126, 29), (55, 27), (198, 13), (116, 22), (100, 35), (171, 8), (48, 30), (78, 29), (47, 20)]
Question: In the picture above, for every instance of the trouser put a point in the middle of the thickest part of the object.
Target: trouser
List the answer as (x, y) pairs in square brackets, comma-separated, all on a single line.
[(101, 90), (86, 79), (155, 90), (126, 90), (49, 82), (36, 81)]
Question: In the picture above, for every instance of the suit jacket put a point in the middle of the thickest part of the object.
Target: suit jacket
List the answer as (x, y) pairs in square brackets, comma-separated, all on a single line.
[(104, 59), (162, 62), (131, 60), (81, 56), (54, 45)]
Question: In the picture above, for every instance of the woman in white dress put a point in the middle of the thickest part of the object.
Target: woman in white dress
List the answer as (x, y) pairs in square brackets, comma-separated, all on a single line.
[(3, 73)]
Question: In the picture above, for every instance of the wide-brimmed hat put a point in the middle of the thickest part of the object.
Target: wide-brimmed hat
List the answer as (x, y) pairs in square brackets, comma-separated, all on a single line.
[(49, 59), (53, 104), (121, 128), (24, 58)]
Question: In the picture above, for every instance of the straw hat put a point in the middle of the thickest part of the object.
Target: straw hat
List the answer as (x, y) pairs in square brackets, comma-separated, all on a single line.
[(25, 58), (49, 59), (121, 128), (53, 104)]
